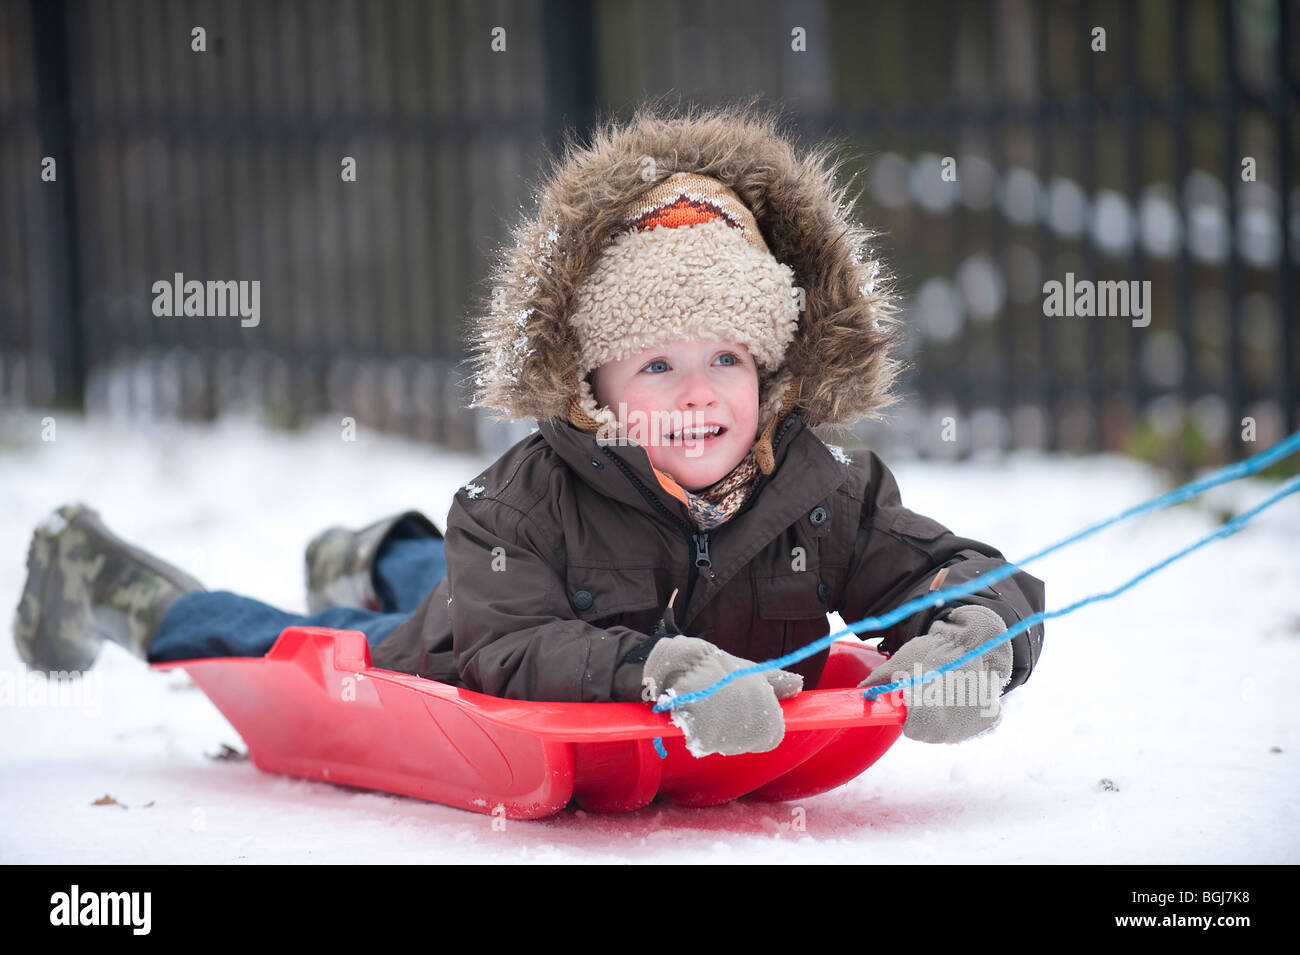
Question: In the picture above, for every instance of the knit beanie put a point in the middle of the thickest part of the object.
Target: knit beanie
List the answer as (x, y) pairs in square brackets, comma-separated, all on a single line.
[(689, 263)]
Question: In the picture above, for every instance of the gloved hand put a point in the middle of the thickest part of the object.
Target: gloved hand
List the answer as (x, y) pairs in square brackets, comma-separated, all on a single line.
[(742, 717), (963, 702)]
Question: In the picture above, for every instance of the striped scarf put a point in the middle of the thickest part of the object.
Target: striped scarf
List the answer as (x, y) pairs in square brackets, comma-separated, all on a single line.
[(717, 503)]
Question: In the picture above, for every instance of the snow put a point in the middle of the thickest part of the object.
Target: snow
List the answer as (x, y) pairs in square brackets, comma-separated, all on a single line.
[(1159, 727), (838, 454)]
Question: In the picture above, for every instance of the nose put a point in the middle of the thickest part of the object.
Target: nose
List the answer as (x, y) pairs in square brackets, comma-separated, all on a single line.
[(697, 390)]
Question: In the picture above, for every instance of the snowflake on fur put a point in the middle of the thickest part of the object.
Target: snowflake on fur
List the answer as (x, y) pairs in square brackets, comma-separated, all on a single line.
[(869, 285)]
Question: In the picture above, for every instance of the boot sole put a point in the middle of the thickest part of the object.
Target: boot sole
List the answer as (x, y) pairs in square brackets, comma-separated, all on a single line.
[(41, 650)]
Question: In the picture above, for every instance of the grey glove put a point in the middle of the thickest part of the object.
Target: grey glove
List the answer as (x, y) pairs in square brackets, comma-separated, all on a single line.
[(963, 702), (742, 717)]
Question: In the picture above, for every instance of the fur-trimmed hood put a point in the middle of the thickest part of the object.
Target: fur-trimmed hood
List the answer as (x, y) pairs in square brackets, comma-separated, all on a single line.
[(525, 354)]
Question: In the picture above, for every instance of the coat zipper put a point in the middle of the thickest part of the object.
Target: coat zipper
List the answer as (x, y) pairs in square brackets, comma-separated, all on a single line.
[(698, 543)]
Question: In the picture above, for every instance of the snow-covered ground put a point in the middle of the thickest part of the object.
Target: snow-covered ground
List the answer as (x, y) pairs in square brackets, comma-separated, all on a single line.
[(1181, 692)]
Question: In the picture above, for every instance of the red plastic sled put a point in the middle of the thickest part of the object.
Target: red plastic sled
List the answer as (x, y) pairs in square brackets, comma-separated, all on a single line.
[(315, 707)]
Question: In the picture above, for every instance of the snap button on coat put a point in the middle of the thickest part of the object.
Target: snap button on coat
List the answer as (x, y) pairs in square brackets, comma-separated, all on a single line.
[(582, 600), (817, 515)]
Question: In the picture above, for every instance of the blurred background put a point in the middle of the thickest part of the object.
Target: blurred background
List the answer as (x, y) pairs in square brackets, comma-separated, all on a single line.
[(1167, 156)]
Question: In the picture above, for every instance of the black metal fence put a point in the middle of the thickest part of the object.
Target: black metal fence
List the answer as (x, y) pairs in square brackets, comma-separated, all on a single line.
[(360, 161)]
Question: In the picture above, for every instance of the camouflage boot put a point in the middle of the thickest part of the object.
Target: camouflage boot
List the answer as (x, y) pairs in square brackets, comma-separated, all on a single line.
[(341, 562), (84, 586)]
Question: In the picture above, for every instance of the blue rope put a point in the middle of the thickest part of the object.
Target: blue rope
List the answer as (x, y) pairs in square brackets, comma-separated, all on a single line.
[(1231, 527), (937, 598)]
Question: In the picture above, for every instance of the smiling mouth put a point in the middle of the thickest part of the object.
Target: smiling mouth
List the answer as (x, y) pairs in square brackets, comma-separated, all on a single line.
[(694, 436)]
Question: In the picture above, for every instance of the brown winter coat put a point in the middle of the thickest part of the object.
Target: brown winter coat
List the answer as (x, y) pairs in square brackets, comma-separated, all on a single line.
[(562, 556)]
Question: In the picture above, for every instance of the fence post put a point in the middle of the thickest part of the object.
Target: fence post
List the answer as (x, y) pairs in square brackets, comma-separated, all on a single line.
[(569, 55), (63, 338)]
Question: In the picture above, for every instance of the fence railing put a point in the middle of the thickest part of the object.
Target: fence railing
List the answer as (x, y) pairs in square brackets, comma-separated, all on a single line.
[(359, 162)]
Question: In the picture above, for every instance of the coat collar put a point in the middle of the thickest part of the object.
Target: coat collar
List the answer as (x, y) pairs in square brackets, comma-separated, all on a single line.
[(805, 474)]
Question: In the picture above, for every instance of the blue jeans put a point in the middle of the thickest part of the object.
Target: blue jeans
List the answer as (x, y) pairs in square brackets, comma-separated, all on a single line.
[(219, 623)]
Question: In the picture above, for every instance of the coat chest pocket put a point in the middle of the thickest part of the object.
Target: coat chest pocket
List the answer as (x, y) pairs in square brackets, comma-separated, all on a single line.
[(595, 593), (799, 596), (792, 614)]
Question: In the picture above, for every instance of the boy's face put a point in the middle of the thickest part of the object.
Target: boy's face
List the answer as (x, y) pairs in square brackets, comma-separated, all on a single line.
[(658, 392)]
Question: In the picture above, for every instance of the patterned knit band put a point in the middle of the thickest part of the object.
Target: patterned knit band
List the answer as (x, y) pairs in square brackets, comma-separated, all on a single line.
[(686, 199)]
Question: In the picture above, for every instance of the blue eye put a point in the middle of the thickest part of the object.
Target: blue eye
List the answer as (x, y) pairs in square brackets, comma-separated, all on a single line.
[(732, 355)]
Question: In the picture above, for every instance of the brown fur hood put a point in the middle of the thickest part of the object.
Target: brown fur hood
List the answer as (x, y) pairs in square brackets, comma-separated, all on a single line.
[(525, 353)]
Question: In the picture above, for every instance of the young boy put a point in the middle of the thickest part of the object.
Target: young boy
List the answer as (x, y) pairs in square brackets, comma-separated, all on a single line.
[(689, 301)]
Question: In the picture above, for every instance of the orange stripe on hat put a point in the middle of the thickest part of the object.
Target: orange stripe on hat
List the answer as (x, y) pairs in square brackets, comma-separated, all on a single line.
[(687, 198), (685, 211)]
